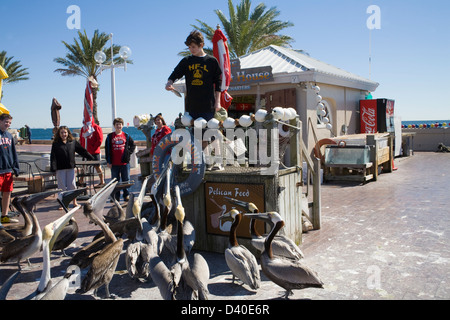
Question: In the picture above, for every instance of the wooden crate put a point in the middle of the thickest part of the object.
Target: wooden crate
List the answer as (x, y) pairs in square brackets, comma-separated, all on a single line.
[(281, 193)]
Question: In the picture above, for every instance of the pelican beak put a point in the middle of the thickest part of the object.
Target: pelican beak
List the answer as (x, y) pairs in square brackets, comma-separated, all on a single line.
[(98, 201), (58, 226), (265, 216), (102, 191), (30, 201), (229, 216), (249, 206)]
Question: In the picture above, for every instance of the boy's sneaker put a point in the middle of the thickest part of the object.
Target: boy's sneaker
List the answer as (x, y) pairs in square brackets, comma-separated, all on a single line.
[(6, 219)]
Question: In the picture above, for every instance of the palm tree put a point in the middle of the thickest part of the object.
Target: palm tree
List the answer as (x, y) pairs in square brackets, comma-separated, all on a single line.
[(79, 60), (14, 70), (247, 30)]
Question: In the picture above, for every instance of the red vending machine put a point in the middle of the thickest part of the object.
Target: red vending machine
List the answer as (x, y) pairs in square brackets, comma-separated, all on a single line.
[(377, 115)]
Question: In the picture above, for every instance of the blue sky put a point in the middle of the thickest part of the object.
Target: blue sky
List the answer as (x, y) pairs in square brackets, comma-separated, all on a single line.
[(410, 53)]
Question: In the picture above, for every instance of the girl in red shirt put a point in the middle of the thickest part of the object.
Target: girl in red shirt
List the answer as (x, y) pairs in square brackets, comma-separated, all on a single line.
[(161, 131)]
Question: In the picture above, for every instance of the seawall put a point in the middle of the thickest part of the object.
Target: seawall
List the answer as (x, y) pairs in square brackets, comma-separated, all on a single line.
[(429, 139)]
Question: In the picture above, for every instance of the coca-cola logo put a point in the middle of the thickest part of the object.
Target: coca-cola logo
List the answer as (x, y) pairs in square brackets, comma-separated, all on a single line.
[(368, 117)]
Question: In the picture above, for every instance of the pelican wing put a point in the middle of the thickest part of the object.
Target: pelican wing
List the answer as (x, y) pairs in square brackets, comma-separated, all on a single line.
[(285, 247), (162, 277), (197, 275), (103, 266), (243, 265), (16, 249), (131, 258), (290, 274)]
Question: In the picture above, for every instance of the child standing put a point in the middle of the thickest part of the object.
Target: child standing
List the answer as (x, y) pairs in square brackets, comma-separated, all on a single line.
[(62, 159), (118, 149)]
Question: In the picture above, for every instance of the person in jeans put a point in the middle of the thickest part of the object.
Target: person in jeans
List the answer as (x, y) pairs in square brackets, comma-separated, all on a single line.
[(118, 149)]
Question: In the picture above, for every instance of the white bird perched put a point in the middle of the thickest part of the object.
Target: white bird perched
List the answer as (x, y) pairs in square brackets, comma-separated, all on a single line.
[(239, 259)]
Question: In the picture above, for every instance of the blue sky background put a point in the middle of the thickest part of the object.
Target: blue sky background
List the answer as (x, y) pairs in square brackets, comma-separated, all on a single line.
[(410, 53)]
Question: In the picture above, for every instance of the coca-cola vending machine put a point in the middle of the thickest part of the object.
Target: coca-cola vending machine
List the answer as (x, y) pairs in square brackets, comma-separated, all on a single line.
[(377, 115)]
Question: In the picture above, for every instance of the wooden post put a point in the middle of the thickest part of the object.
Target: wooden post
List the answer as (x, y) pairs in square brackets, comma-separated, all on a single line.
[(371, 141), (317, 204)]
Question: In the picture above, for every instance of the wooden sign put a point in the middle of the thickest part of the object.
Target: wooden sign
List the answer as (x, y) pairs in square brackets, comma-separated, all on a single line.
[(217, 205)]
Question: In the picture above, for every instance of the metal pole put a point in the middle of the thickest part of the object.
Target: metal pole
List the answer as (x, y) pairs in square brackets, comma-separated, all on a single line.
[(113, 82)]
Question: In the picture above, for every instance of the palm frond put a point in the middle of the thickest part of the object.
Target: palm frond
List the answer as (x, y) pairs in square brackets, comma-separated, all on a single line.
[(248, 30)]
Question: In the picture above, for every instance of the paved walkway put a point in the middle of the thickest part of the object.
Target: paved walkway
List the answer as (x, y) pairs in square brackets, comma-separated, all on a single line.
[(387, 239)]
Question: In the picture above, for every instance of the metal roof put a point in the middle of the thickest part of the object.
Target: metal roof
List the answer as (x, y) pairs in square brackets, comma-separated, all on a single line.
[(293, 62)]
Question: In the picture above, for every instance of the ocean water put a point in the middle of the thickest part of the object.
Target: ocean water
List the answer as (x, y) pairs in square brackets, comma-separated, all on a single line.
[(137, 135), (46, 134)]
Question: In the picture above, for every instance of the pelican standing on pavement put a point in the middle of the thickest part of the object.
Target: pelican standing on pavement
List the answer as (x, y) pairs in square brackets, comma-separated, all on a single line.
[(281, 245), (287, 273), (240, 260), (104, 264), (194, 272)]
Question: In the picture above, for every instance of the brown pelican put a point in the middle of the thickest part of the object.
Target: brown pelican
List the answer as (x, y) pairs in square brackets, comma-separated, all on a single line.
[(70, 231), (104, 264), (138, 253), (116, 213), (281, 245), (194, 272), (240, 260), (24, 248), (169, 240), (287, 273), (47, 290)]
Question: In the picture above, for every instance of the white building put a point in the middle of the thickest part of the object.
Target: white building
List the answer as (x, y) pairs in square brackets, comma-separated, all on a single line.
[(276, 76)]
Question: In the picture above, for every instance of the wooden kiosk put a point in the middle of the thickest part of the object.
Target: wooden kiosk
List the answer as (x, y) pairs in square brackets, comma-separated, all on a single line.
[(283, 191)]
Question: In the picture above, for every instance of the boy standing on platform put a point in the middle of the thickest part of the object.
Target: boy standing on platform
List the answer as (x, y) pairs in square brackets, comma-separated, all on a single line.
[(118, 149)]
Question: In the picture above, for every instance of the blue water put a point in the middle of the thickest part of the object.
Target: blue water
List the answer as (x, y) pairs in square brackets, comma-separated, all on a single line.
[(46, 134), (137, 135)]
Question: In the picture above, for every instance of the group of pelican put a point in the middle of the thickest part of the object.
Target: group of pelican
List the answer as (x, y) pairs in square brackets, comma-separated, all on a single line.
[(167, 242), (280, 257), (159, 245)]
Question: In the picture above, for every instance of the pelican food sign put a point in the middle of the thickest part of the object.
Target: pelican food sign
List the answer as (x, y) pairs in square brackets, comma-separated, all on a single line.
[(242, 78), (217, 205)]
